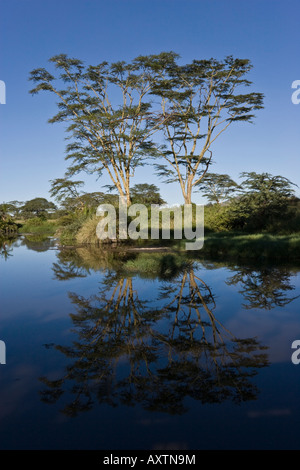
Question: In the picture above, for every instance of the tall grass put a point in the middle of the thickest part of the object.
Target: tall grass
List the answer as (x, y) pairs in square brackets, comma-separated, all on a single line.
[(38, 226), (69, 226), (87, 232)]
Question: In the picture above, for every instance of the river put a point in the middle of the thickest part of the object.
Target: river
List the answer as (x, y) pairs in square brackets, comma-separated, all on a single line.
[(121, 350)]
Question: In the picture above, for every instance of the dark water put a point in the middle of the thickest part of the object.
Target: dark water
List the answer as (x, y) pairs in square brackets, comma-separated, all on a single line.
[(112, 351)]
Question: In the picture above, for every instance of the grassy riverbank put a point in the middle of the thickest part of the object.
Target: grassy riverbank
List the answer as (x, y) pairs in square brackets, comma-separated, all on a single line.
[(277, 247), (233, 246), (39, 226), (260, 246)]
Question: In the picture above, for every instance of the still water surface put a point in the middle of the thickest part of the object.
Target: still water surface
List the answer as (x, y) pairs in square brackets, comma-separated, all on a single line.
[(113, 350)]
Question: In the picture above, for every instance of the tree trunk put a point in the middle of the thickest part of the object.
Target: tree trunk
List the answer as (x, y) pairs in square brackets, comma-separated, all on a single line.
[(128, 199), (188, 194), (188, 198)]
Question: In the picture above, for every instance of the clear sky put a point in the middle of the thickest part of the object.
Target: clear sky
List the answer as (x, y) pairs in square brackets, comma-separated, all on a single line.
[(264, 31)]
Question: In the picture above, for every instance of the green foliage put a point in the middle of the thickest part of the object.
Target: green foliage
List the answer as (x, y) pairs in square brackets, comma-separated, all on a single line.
[(69, 225), (198, 102), (66, 220), (217, 187), (257, 247), (38, 226), (146, 194), (15, 208), (264, 201), (8, 227), (34, 222), (7, 210), (105, 137), (67, 235), (38, 207), (217, 218), (91, 201), (71, 199), (115, 138), (63, 189)]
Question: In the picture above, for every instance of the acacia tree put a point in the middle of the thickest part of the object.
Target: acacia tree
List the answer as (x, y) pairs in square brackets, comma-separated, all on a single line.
[(217, 187), (37, 207), (199, 101), (66, 192), (15, 207), (62, 188), (265, 198), (106, 137), (6, 209), (145, 193), (71, 198)]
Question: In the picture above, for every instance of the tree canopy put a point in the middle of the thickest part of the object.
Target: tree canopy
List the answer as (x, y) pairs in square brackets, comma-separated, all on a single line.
[(115, 122), (71, 198), (199, 101), (217, 187), (264, 198), (108, 114), (146, 194), (38, 206)]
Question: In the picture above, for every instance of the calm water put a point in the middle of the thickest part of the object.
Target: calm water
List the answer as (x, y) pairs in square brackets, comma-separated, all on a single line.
[(102, 356)]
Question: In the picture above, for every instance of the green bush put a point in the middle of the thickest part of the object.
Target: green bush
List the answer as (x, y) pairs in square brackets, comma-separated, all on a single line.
[(37, 225), (258, 246), (35, 222), (70, 225), (8, 226), (217, 218)]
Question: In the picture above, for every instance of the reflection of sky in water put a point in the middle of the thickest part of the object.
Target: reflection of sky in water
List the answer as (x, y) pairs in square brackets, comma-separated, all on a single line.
[(34, 312)]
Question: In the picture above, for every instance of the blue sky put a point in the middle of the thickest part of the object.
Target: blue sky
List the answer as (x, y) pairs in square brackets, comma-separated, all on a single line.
[(264, 31)]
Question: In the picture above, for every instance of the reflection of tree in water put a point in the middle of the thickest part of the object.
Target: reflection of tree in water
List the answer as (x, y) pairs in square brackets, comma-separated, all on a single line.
[(264, 288), (67, 268), (206, 361), (37, 242), (6, 247), (130, 352), (111, 326), (80, 262)]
